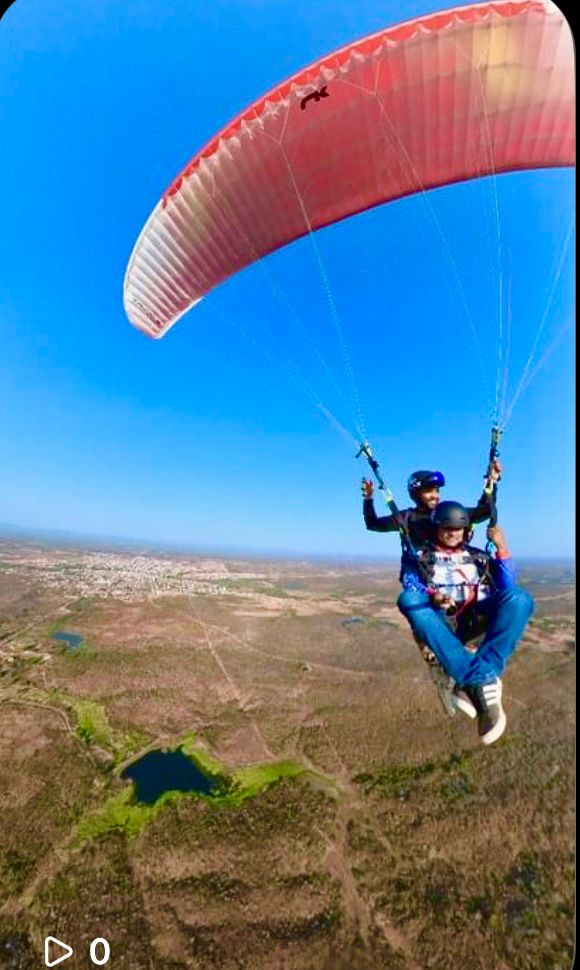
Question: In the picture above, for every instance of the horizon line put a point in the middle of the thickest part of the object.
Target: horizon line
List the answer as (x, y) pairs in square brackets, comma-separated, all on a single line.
[(88, 540)]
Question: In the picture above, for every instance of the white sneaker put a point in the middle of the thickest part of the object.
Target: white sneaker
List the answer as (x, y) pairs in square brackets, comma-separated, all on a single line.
[(453, 698), (491, 718), (462, 702)]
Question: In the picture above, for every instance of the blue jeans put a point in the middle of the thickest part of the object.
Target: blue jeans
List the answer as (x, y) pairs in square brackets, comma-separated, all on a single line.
[(506, 612)]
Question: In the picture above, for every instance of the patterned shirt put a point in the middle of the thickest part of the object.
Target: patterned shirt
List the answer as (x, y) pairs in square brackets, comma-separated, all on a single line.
[(456, 575), (459, 574)]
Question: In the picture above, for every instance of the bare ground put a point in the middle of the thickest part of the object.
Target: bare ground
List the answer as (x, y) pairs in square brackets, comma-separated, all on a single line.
[(432, 852)]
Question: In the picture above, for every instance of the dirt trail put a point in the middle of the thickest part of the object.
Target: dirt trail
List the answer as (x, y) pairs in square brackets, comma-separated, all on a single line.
[(361, 912), (39, 620), (59, 854), (238, 641), (236, 693)]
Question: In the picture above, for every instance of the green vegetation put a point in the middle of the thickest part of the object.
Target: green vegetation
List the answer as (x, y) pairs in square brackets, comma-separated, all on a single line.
[(78, 658), (121, 813), (306, 927), (529, 901), (92, 724), (254, 586), (250, 781), (201, 756), (381, 623), (214, 886), (395, 779), (129, 743), (246, 782), (73, 611), (402, 780), (16, 865), (273, 590), (553, 624)]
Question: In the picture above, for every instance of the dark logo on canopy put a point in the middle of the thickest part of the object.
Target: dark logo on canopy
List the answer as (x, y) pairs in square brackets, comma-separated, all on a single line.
[(314, 96), (149, 313)]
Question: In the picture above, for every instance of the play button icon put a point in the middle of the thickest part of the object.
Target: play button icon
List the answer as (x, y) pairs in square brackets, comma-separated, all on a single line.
[(50, 943)]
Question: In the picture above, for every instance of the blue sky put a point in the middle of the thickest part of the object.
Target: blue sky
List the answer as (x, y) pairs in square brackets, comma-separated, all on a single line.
[(204, 438)]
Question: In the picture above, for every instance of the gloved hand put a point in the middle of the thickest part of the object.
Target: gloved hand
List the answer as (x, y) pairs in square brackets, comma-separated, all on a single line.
[(496, 535), (367, 488), (496, 470)]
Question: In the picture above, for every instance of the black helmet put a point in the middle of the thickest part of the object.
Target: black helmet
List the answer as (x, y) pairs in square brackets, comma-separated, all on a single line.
[(424, 479), (451, 515)]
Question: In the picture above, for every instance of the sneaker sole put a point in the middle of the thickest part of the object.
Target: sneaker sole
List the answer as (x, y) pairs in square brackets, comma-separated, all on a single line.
[(465, 707), (444, 694), (496, 731), (449, 709)]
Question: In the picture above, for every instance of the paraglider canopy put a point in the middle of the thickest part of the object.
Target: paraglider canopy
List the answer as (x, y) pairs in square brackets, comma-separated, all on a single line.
[(469, 92)]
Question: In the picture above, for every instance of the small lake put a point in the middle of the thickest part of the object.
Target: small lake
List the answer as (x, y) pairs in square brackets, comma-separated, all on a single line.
[(353, 621), (72, 640), (158, 772)]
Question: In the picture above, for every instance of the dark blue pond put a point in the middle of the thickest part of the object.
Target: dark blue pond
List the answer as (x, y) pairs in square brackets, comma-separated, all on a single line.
[(72, 640), (353, 621), (158, 772)]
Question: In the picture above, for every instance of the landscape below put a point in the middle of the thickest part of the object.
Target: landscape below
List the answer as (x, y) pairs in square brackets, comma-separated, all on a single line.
[(352, 823)]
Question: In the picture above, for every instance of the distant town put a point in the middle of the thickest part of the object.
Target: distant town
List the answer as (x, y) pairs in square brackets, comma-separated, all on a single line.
[(122, 575)]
